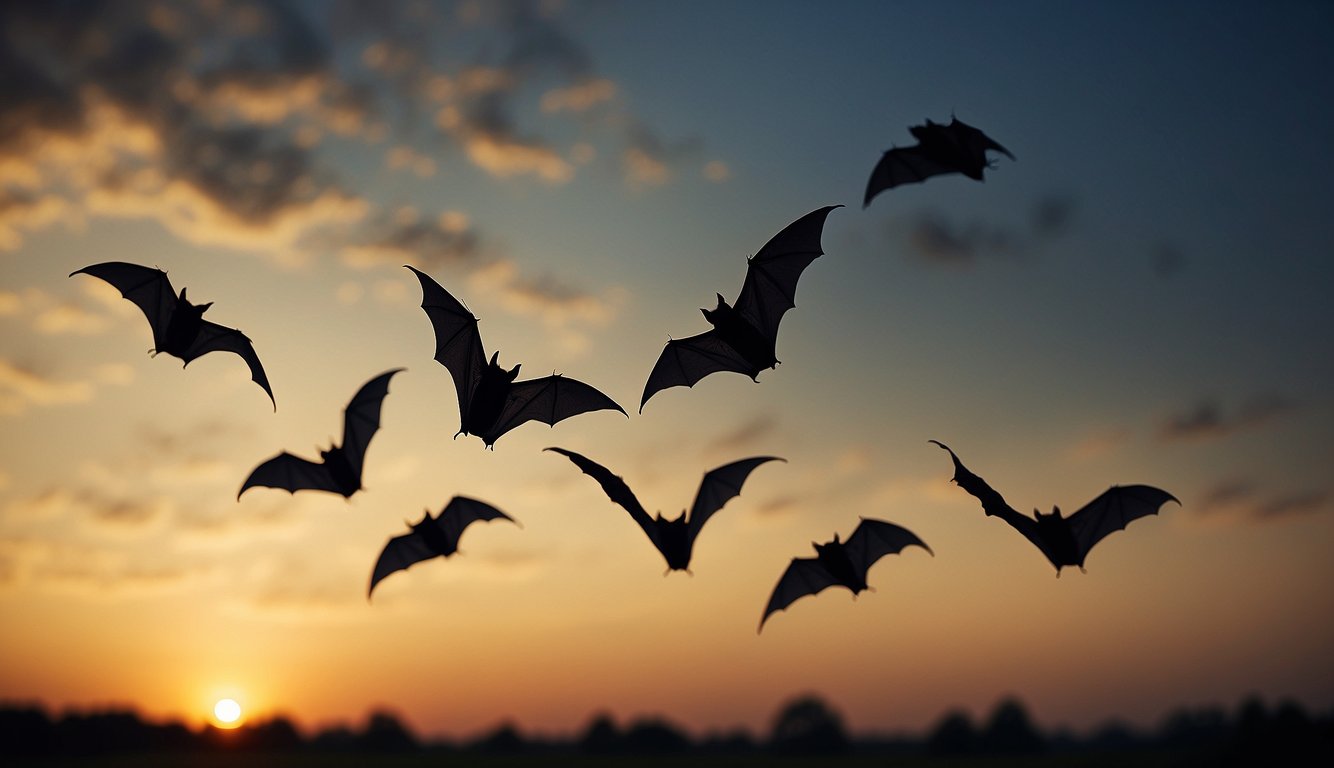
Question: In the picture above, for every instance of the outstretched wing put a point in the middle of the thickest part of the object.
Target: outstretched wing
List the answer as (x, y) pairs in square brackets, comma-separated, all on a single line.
[(398, 554), (292, 474), (616, 490), (903, 165), (720, 486), (361, 419), (458, 345), (1116, 508), (804, 576), (993, 504), (462, 511), (770, 288), (684, 362), (549, 399), (219, 338), (147, 287), (873, 539)]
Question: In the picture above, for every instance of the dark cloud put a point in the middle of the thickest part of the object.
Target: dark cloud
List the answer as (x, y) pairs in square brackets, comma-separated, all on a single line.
[(447, 240), (1208, 419), (1245, 499), (935, 238), (745, 435), (1293, 505)]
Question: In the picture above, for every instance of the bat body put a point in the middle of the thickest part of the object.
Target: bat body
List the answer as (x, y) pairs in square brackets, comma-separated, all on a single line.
[(179, 328), (953, 148), (1066, 541), (675, 539), (339, 468), (841, 564), (745, 334), (491, 402), (432, 537)]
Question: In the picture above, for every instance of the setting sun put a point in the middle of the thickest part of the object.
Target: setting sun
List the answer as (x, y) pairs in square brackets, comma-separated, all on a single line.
[(227, 713)]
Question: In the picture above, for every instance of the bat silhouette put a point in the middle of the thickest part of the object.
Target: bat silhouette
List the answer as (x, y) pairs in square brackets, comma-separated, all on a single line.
[(179, 327), (675, 539), (1066, 541), (954, 148), (339, 468), (432, 537), (841, 564), (491, 402), (744, 335)]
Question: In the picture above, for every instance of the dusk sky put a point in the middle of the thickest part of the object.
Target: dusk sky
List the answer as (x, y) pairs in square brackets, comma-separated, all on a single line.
[(1142, 296)]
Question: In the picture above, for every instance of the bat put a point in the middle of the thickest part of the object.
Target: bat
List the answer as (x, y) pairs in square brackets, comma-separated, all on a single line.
[(179, 327), (745, 335), (1066, 541), (339, 468), (491, 402), (675, 539), (432, 537), (840, 563), (954, 148)]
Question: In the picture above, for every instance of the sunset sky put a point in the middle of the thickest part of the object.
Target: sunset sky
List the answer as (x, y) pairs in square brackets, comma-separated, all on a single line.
[(1143, 296)]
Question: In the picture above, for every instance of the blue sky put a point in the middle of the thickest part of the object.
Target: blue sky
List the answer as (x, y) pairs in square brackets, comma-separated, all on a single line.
[(1141, 297)]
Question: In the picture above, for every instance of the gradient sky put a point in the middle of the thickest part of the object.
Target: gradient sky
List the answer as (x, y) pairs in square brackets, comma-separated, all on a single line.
[(1142, 297)]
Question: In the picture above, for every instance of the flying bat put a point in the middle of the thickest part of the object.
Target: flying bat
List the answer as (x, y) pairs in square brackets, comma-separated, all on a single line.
[(179, 327), (745, 335), (432, 537), (675, 539), (339, 468), (491, 402), (1066, 541), (840, 563), (954, 148)]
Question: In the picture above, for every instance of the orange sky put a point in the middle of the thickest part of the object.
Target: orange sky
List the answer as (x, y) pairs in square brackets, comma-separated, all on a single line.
[(1135, 299)]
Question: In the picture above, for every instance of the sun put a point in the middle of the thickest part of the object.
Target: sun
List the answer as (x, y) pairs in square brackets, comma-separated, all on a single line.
[(227, 713)]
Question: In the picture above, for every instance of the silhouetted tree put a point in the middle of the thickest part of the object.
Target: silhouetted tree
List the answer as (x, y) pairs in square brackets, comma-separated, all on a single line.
[(504, 740), (385, 733), (601, 737), (807, 725), (953, 735), (738, 742), (655, 736), (1011, 732), (278, 734), (26, 730), (334, 738)]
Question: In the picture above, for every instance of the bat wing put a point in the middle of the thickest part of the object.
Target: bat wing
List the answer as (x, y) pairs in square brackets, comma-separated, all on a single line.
[(398, 554), (616, 490), (458, 345), (804, 576), (147, 287), (720, 486), (361, 419), (219, 338), (292, 474), (462, 511), (684, 362), (549, 399), (873, 539), (1116, 508), (994, 504), (770, 288), (903, 165)]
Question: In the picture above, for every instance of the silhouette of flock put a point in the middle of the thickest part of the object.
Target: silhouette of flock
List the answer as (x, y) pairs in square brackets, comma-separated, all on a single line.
[(742, 340)]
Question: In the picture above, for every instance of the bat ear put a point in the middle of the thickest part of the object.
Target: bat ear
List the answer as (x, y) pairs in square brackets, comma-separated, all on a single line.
[(494, 357)]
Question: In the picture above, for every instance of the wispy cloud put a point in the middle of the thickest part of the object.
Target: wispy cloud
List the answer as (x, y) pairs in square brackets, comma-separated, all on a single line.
[(1241, 499), (22, 387), (936, 238), (1210, 420)]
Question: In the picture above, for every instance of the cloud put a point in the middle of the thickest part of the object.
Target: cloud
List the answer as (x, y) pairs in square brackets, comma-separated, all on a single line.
[(579, 97), (1099, 443), (745, 435), (429, 244), (1245, 499), (934, 238), (50, 315), (112, 110), (22, 387), (21, 211), (1208, 420)]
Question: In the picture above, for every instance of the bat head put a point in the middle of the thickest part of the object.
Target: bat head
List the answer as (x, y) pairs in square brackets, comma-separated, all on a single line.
[(715, 314), (512, 373), (197, 310)]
